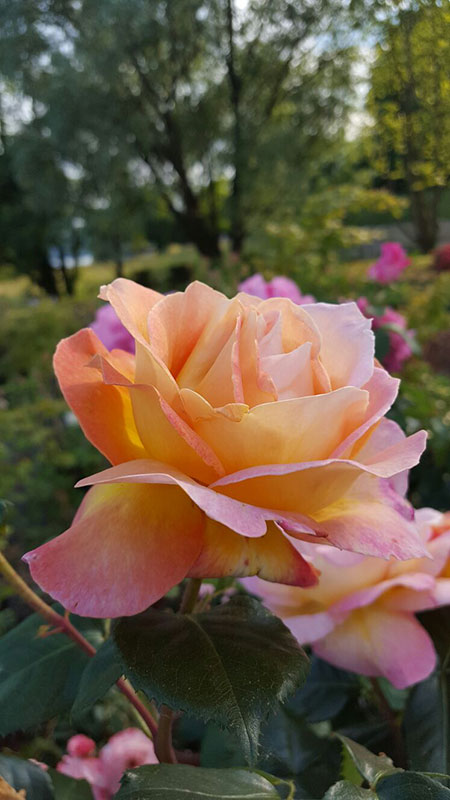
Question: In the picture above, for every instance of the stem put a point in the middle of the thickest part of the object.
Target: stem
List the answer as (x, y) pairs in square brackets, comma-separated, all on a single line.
[(163, 742), (63, 624), (190, 595), (399, 755)]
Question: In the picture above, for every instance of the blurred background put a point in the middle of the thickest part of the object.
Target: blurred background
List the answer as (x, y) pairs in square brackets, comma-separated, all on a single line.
[(214, 139)]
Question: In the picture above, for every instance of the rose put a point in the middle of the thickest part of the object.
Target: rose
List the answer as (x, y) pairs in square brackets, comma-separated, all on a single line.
[(361, 615), (125, 750), (399, 347), (110, 330), (280, 286), (240, 426), (393, 260)]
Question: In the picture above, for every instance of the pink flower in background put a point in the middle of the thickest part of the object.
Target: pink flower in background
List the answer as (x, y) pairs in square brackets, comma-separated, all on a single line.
[(110, 330), (360, 616), (125, 750), (81, 746), (391, 263), (399, 346), (279, 286)]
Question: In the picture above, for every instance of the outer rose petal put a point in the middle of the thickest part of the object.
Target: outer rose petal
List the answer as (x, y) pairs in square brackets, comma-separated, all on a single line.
[(364, 521), (127, 548), (376, 642), (348, 344), (132, 304), (272, 557), (104, 411), (308, 628), (240, 517), (383, 390)]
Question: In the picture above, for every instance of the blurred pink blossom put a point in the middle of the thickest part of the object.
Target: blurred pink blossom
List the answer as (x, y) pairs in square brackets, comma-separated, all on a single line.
[(361, 615), (125, 750), (280, 286), (110, 330), (391, 263), (399, 346)]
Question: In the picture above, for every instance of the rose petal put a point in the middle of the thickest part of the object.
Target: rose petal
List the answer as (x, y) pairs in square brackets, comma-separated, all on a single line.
[(372, 641), (348, 344), (174, 329), (286, 431), (129, 546), (104, 412), (271, 556), (132, 304)]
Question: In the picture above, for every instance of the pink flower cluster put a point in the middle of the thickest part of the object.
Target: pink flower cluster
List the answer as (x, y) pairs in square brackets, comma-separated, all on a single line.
[(391, 263), (127, 749), (280, 286), (399, 344)]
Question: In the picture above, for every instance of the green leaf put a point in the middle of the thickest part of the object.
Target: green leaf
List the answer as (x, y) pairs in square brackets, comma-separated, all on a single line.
[(220, 749), (325, 692), (231, 665), (371, 767), (39, 676), (289, 745), (382, 343), (349, 771), (397, 698), (23, 774), (344, 790), (411, 786), (100, 674), (179, 782), (66, 788), (425, 724)]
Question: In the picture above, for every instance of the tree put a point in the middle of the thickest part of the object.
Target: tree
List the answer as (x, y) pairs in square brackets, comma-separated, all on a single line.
[(410, 102), (191, 93)]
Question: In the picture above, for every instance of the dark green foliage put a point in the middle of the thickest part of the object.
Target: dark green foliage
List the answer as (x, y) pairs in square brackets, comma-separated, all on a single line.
[(168, 782), (101, 673), (411, 786), (39, 674), (371, 767), (326, 691), (230, 665), (66, 788), (344, 790), (21, 774), (425, 725)]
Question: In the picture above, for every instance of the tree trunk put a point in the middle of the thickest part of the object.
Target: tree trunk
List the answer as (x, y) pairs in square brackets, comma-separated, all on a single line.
[(46, 276), (237, 226), (425, 218), (119, 264), (67, 278)]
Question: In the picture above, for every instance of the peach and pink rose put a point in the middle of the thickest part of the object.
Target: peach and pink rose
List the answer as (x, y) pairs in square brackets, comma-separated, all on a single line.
[(239, 427), (361, 615)]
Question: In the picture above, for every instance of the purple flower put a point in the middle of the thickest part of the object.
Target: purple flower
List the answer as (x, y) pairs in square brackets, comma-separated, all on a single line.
[(110, 330), (279, 286)]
